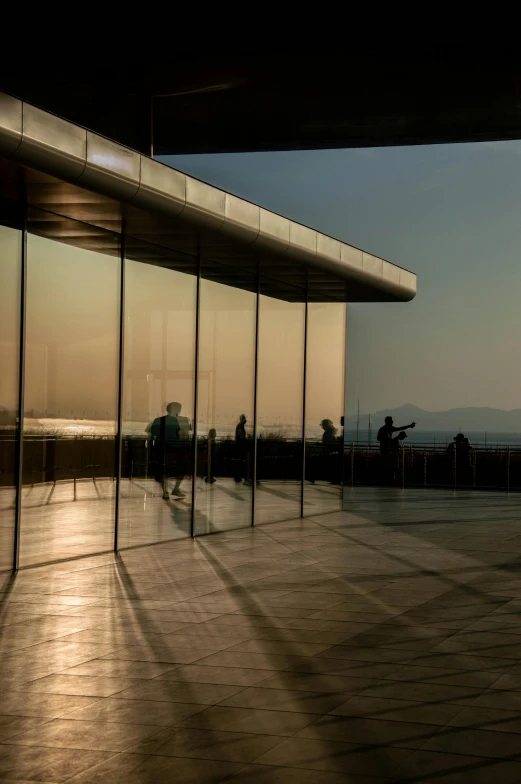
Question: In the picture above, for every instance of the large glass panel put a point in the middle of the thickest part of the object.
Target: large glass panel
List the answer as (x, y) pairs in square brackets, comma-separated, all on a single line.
[(10, 277), (225, 407), (71, 394), (158, 402), (325, 352), (280, 385)]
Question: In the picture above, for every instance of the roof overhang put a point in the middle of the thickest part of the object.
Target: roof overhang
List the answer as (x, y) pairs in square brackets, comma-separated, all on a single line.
[(166, 206)]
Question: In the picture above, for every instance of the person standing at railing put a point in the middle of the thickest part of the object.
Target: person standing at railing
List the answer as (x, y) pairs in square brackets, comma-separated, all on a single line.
[(396, 453), (461, 450), (385, 434), (385, 437)]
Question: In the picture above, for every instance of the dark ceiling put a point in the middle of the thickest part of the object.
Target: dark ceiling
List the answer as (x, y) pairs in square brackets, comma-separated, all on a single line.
[(273, 102)]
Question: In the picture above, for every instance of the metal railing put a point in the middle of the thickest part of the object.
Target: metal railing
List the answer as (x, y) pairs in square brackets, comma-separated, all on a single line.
[(483, 468)]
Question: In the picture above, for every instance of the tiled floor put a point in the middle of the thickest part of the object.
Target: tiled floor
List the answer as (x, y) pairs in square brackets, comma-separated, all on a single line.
[(378, 645)]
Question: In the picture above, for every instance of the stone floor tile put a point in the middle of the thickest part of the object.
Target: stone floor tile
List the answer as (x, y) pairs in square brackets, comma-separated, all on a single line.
[(488, 719), (121, 668), (14, 725), (179, 691), (168, 654), (331, 755), (370, 732), (264, 722), (208, 744), (449, 677), (448, 768), (424, 692), (46, 764), (285, 700), (398, 710), (262, 661), (84, 685), (25, 703), (270, 774), (149, 769), (232, 676), (94, 735), (460, 661), (147, 712), (319, 682), (499, 698), (478, 742), (356, 652), (290, 647)]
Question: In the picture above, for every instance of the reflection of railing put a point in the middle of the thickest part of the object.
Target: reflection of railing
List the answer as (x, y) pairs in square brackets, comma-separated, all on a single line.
[(276, 458), (435, 466), (57, 458)]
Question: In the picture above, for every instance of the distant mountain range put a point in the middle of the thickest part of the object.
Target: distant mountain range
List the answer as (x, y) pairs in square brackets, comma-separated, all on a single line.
[(470, 419)]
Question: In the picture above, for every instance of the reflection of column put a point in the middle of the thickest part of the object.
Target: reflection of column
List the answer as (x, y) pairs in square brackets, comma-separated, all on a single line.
[(164, 358), (137, 366), (51, 371), (214, 368)]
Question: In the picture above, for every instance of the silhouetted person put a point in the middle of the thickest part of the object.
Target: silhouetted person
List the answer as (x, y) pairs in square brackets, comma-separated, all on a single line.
[(329, 434), (241, 450), (395, 450), (329, 451), (385, 434), (385, 437), (212, 435), (462, 450), (167, 449)]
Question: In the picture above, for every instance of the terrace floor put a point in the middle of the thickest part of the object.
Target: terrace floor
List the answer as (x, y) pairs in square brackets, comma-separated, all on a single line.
[(381, 644)]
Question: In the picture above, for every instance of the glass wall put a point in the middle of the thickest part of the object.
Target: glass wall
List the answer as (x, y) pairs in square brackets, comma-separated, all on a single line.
[(325, 352), (225, 403), (71, 401), (211, 395), (280, 383), (158, 403), (10, 283)]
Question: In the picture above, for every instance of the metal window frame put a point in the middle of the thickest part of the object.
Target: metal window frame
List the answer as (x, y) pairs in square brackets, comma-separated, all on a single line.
[(304, 390), (121, 359), (21, 395), (195, 429), (255, 385)]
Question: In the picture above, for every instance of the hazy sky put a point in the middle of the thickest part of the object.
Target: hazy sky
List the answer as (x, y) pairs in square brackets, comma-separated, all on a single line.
[(450, 213)]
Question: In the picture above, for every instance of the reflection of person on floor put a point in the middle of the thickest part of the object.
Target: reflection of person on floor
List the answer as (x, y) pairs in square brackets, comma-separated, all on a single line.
[(168, 443), (212, 435), (241, 450)]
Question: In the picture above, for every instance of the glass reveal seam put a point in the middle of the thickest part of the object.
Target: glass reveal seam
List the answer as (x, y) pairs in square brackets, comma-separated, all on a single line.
[(196, 388), (119, 435), (21, 391), (304, 387)]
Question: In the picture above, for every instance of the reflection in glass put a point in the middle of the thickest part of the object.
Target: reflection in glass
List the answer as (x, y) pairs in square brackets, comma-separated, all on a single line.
[(71, 391), (225, 407), (10, 280), (279, 409), (158, 400), (324, 407)]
